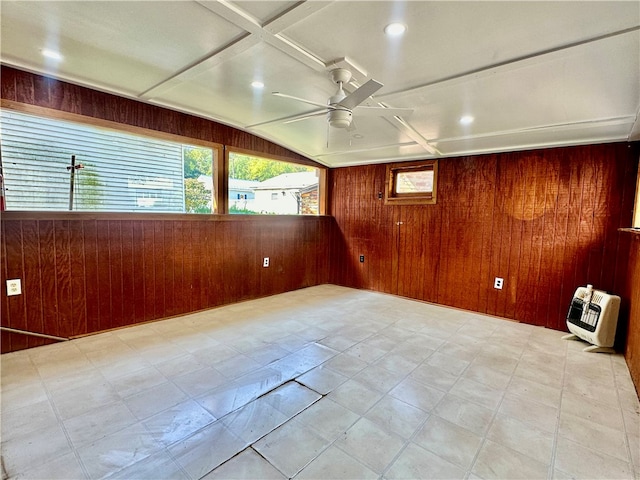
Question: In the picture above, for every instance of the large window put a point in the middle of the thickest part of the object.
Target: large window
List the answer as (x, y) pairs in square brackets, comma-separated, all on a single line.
[(52, 164), (264, 186)]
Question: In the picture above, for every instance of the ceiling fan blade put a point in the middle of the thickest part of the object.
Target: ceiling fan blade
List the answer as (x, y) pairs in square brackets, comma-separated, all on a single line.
[(310, 102), (361, 94), (304, 117), (381, 111)]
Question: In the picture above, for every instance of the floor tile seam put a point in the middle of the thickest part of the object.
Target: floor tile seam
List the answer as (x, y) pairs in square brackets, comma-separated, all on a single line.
[(87, 442), (556, 435), (324, 448), (628, 461), (490, 425), (62, 426), (221, 419), (407, 442), (494, 410), (467, 468), (145, 390), (158, 445), (234, 380), (73, 451), (477, 354), (251, 445), (166, 451), (624, 424), (335, 443), (175, 459)]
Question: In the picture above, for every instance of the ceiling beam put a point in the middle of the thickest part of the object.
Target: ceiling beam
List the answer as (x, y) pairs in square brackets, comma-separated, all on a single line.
[(254, 33), (492, 69)]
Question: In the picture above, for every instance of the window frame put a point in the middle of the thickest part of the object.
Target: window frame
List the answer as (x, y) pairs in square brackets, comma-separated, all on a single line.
[(53, 114), (220, 167), (636, 211), (322, 175), (418, 198)]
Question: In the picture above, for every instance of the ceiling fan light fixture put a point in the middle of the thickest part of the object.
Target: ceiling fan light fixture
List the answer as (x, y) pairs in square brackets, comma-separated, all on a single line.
[(340, 118), (395, 29)]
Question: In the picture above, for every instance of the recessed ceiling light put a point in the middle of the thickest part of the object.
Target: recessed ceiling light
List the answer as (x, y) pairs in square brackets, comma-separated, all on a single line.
[(466, 120), (395, 29), (257, 84), (52, 54)]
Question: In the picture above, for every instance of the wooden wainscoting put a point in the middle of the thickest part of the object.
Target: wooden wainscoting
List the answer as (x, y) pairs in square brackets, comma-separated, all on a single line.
[(546, 221), (83, 273), (632, 352)]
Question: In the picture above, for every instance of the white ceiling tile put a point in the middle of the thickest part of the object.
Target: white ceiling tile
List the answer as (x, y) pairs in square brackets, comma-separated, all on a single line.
[(264, 11), (127, 46)]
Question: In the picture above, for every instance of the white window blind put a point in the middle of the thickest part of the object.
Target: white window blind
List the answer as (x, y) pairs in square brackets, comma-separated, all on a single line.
[(122, 172)]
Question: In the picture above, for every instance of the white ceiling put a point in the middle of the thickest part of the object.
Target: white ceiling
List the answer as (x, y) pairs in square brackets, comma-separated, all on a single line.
[(532, 74)]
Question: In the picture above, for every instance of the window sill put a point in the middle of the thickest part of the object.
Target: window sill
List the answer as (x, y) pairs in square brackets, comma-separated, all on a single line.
[(215, 217), (634, 230)]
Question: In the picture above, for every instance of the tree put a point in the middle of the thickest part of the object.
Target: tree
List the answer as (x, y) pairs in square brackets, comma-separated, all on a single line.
[(246, 167), (197, 198), (197, 161)]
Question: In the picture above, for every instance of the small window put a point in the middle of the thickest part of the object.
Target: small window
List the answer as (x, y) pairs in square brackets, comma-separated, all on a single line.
[(411, 182)]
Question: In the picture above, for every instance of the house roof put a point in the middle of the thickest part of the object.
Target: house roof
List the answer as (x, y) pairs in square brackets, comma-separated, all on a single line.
[(234, 183), (287, 181)]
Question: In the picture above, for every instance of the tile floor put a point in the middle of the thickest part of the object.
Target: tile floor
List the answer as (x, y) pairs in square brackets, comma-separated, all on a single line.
[(321, 383)]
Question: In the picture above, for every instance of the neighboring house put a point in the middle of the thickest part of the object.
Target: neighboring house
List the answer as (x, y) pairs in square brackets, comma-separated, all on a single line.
[(241, 194), (309, 196), (289, 193)]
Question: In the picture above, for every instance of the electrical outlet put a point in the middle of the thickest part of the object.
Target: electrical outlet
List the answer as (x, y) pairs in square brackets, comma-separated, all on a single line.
[(498, 282), (265, 262), (14, 287), (361, 258)]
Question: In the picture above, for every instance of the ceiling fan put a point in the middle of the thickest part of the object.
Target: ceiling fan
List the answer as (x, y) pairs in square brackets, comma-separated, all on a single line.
[(340, 108)]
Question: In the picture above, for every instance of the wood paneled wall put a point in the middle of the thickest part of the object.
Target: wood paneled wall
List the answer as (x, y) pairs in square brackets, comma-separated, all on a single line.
[(546, 221), (632, 352), (84, 273), (32, 89)]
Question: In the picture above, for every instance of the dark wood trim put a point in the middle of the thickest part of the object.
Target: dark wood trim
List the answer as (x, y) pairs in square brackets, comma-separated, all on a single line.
[(632, 348)]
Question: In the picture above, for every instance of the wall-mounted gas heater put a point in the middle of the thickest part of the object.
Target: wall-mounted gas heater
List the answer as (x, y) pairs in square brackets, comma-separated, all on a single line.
[(593, 317)]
